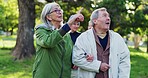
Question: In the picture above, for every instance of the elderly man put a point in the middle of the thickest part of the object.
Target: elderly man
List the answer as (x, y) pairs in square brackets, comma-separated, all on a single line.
[(111, 54)]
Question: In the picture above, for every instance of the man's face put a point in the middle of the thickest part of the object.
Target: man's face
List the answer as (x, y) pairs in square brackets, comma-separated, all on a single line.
[(103, 20)]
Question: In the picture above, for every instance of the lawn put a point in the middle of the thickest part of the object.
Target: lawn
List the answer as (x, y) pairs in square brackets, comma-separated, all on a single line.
[(10, 68), (23, 68), (14, 69), (139, 64)]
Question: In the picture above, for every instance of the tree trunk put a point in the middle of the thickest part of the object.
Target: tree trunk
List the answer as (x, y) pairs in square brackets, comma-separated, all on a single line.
[(25, 43), (137, 40)]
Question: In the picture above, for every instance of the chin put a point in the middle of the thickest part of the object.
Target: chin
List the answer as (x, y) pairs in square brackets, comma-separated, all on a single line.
[(106, 29)]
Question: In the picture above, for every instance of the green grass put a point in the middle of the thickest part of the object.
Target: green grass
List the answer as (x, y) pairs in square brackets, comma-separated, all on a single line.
[(139, 64), (14, 69)]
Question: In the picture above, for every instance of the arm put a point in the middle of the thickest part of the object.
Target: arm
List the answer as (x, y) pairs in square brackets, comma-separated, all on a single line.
[(47, 38), (80, 59), (124, 64)]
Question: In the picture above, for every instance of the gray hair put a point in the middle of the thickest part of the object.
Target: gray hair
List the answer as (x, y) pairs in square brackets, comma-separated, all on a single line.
[(95, 14), (46, 10)]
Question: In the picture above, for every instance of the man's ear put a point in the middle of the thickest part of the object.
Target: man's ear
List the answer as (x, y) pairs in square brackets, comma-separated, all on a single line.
[(94, 21), (48, 17)]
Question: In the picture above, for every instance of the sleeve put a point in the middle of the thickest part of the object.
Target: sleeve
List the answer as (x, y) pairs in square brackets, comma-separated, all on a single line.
[(47, 38), (64, 29), (124, 62), (78, 58)]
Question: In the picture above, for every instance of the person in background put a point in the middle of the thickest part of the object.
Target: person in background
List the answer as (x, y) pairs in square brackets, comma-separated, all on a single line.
[(74, 34), (90, 24), (111, 54), (74, 30), (53, 44)]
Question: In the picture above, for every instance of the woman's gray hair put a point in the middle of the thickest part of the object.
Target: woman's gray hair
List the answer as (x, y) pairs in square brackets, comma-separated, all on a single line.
[(95, 14), (46, 10)]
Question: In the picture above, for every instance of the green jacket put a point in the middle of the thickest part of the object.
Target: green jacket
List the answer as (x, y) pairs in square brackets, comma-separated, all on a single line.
[(53, 54)]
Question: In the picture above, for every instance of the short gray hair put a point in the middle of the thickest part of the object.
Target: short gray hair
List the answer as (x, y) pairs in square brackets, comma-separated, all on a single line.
[(47, 9), (95, 14)]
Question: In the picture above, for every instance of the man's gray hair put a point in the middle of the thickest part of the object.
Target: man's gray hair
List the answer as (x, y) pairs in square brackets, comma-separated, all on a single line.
[(46, 10), (95, 14)]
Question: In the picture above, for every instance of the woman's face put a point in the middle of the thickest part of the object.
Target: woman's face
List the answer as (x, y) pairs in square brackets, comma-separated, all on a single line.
[(74, 27), (56, 14)]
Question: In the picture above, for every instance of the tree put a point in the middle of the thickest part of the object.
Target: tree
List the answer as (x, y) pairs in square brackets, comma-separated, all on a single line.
[(137, 21), (24, 43)]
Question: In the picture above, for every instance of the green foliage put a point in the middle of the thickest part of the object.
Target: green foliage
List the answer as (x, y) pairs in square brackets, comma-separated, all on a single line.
[(72, 7), (138, 22), (119, 11), (8, 15)]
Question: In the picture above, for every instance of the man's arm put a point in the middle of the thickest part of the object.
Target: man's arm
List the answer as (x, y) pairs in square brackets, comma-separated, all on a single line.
[(124, 64), (79, 56)]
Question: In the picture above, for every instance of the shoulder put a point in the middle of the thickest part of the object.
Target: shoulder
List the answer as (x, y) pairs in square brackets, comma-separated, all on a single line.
[(115, 36), (85, 35), (112, 33), (42, 26)]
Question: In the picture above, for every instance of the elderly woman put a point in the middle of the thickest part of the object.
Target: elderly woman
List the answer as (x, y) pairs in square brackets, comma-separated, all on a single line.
[(54, 46)]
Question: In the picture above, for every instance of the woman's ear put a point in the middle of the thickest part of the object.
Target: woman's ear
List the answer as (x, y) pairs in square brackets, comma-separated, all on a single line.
[(48, 17)]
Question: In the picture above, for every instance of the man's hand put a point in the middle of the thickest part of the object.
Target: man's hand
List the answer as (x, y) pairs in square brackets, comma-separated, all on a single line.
[(104, 67)]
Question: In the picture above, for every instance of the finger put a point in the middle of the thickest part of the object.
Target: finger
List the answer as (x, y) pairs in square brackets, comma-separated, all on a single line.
[(108, 66), (80, 11)]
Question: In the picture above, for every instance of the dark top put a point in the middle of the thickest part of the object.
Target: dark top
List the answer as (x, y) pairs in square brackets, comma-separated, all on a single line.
[(103, 41), (74, 36)]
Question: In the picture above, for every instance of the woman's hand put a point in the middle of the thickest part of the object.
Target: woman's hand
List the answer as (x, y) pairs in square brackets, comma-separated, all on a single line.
[(75, 18), (89, 58)]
